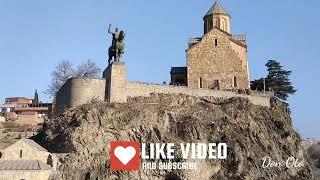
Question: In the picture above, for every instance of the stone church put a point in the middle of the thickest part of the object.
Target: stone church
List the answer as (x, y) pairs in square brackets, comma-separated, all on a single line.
[(218, 59)]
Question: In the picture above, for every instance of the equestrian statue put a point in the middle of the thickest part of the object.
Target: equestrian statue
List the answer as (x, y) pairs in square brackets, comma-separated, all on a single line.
[(117, 47)]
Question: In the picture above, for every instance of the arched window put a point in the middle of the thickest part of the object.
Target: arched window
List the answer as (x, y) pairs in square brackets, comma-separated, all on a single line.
[(228, 26), (224, 24), (210, 25), (49, 160), (216, 22)]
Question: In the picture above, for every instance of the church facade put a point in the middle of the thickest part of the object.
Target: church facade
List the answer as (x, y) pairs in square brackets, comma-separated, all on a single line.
[(218, 59)]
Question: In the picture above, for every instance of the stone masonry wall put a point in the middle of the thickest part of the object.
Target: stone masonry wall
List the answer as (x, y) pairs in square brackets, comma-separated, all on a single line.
[(223, 62), (77, 91), (135, 89), (115, 88), (28, 153), (115, 76)]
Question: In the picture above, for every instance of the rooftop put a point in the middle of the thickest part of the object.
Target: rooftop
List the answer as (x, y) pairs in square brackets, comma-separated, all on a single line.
[(178, 70), (34, 144), (31, 143), (23, 165), (217, 9), (7, 106), (18, 98)]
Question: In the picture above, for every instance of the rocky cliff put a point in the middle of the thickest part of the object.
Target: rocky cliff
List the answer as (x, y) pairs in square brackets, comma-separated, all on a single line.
[(251, 132)]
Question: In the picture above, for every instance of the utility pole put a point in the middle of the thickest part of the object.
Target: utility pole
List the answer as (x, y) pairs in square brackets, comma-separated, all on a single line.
[(264, 86)]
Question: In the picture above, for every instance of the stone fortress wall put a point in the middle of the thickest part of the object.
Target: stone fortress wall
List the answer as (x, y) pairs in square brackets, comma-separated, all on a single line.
[(114, 87), (77, 91), (135, 89)]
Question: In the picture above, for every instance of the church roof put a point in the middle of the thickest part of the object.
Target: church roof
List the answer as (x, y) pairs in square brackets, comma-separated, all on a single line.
[(30, 143), (34, 144), (216, 9), (23, 165)]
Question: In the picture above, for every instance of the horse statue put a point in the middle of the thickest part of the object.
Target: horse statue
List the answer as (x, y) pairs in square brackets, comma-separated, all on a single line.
[(117, 47)]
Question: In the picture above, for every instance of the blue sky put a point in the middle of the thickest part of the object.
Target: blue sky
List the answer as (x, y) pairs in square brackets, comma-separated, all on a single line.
[(35, 35)]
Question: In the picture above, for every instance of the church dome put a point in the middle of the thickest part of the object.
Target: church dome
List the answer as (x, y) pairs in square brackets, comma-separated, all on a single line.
[(217, 9)]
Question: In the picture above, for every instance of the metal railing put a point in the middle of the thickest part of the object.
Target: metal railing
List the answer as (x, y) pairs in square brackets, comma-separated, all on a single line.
[(241, 37)]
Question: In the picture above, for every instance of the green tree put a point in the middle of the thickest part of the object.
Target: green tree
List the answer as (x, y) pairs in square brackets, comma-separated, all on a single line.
[(277, 80), (36, 98)]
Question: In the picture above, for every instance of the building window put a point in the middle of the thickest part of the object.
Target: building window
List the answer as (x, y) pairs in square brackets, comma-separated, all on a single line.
[(50, 161), (217, 22), (210, 24), (200, 83), (235, 83), (224, 24), (20, 153), (215, 42)]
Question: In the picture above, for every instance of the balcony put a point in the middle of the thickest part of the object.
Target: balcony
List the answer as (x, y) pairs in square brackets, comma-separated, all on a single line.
[(20, 109)]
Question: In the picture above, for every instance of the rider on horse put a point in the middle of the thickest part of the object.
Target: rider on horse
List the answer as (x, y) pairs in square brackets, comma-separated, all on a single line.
[(117, 47)]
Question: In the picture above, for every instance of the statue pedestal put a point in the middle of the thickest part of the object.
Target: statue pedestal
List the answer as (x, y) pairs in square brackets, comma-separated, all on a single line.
[(115, 75)]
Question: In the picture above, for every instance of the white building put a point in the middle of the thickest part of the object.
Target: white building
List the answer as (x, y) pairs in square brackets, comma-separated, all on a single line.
[(6, 108)]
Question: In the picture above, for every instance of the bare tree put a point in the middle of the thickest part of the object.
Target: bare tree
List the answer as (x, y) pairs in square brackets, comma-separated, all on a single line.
[(65, 71), (87, 69), (60, 75)]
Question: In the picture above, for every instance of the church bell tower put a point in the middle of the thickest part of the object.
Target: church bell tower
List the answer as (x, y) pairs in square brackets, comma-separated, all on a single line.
[(217, 17)]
